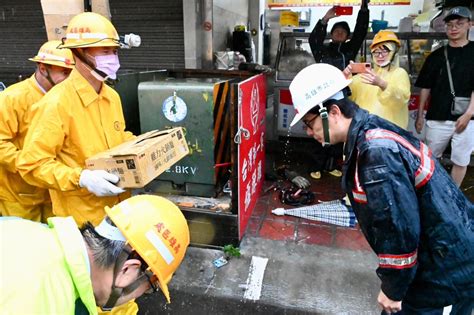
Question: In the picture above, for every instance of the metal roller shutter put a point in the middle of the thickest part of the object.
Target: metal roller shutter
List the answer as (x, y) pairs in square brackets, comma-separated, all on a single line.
[(160, 25), (158, 22), (22, 33)]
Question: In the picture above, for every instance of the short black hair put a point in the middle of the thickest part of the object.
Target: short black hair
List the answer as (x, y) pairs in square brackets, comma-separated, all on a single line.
[(105, 252), (342, 25), (348, 108)]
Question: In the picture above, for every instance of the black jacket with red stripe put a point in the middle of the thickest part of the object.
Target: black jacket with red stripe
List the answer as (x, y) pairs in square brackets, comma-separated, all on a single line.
[(420, 225)]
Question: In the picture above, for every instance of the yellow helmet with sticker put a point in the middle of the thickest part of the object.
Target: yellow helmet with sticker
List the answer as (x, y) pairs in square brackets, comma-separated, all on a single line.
[(90, 29), (50, 54), (157, 230)]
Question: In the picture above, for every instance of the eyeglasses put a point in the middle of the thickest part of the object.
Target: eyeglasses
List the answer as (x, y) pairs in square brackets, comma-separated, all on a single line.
[(380, 53), (309, 123), (457, 25)]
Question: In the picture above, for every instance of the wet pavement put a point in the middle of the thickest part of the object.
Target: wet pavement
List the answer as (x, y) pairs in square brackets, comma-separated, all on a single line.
[(312, 267)]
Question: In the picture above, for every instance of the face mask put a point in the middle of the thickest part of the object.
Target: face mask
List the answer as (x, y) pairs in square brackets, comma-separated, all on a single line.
[(384, 64), (108, 64)]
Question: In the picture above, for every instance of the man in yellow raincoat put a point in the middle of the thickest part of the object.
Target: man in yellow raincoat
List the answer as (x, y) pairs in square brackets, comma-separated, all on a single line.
[(18, 198), (79, 118), (59, 269)]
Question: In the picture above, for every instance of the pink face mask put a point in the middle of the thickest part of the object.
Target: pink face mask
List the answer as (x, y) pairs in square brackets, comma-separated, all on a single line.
[(108, 64)]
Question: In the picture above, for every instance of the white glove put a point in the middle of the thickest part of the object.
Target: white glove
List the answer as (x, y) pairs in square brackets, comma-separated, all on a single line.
[(100, 183)]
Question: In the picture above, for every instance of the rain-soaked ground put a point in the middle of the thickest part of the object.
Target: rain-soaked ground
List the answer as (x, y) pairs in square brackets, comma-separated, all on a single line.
[(313, 267)]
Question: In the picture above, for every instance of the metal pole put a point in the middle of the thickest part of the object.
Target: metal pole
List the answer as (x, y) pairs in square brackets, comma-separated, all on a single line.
[(207, 27)]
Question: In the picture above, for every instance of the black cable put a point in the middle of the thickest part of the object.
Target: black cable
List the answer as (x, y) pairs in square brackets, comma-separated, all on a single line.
[(295, 196)]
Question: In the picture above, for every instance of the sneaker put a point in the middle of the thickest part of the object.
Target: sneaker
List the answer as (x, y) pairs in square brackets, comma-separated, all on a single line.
[(335, 173), (315, 175)]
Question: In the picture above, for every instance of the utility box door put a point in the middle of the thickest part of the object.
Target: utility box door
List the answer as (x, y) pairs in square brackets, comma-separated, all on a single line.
[(187, 103)]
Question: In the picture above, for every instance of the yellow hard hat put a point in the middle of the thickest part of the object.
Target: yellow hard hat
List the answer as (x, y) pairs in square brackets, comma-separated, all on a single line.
[(157, 230), (50, 54), (90, 29), (385, 36)]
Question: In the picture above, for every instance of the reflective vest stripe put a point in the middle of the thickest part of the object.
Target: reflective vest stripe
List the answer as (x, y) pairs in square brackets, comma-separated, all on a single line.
[(358, 193), (386, 134), (426, 168), (360, 197), (397, 261)]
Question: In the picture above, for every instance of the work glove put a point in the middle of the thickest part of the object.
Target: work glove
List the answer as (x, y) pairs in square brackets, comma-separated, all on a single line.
[(100, 183), (296, 179)]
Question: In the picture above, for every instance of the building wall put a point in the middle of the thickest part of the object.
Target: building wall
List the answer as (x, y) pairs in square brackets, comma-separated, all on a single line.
[(227, 14)]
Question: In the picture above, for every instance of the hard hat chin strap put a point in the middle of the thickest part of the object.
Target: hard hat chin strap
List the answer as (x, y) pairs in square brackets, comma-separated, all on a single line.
[(48, 76), (323, 112), (116, 293), (98, 74)]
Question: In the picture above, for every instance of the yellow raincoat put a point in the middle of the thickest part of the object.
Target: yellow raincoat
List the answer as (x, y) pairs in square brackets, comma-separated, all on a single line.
[(391, 104), (44, 269), (16, 196), (72, 123)]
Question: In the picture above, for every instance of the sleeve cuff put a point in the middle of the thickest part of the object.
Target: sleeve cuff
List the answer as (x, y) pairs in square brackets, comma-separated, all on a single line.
[(391, 294), (76, 176)]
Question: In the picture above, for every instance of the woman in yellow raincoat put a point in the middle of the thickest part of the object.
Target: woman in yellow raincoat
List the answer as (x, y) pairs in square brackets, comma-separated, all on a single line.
[(385, 90)]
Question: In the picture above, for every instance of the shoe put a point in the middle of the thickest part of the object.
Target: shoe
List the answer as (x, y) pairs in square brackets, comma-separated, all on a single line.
[(346, 200), (335, 173), (315, 175)]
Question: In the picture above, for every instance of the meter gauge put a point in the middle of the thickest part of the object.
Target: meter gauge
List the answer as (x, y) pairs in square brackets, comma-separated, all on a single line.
[(174, 108)]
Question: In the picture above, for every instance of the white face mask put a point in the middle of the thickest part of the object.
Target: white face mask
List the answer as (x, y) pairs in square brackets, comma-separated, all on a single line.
[(384, 64), (108, 64)]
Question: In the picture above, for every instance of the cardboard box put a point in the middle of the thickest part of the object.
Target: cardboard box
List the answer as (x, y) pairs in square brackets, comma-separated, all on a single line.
[(142, 159), (57, 14), (56, 25)]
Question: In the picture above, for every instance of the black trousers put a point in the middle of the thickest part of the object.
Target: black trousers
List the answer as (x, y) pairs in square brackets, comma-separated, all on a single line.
[(326, 158)]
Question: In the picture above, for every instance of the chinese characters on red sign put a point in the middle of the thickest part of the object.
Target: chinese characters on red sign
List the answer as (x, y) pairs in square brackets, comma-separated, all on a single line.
[(252, 98)]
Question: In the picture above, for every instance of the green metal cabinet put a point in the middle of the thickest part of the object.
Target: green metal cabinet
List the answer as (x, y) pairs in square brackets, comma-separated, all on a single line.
[(200, 105)]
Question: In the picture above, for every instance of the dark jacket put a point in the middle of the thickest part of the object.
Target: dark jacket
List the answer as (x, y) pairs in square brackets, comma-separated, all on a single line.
[(418, 222), (338, 55)]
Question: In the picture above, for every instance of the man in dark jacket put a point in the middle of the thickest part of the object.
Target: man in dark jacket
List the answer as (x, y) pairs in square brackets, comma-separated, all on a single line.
[(415, 218), (339, 51)]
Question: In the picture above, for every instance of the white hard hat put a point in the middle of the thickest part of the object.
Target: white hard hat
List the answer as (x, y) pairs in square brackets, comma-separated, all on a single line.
[(313, 85)]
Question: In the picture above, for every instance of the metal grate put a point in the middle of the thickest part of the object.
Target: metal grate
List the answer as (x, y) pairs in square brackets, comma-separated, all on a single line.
[(23, 32), (160, 25), (158, 22)]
